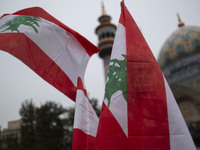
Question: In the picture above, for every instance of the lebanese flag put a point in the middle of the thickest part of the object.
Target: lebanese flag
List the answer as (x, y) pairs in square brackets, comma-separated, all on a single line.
[(139, 110), (55, 52), (85, 121)]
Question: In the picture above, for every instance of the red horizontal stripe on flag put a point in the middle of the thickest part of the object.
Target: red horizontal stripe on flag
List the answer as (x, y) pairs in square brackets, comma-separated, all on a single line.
[(20, 46), (148, 142), (148, 126), (82, 141), (110, 135)]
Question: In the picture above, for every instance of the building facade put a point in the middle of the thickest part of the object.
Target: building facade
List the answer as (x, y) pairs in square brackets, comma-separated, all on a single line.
[(13, 130), (179, 60)]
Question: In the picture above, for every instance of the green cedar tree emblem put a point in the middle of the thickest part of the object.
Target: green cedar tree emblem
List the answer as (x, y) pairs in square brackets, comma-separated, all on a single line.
[(14, 23), (116, 78)]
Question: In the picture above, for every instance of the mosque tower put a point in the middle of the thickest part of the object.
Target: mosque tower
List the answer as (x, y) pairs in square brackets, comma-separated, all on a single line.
[(106, 33)]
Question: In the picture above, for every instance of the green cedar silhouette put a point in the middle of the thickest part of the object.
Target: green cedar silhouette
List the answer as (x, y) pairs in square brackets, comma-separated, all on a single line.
[(14, 23), (116, 78)]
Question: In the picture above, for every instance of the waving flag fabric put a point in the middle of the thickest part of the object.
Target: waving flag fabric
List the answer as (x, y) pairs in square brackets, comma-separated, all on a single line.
[(54, 51), (139, 111), (85, 122)]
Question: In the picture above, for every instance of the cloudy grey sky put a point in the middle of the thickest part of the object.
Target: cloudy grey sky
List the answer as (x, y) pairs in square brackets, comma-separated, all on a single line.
[(156, 18)]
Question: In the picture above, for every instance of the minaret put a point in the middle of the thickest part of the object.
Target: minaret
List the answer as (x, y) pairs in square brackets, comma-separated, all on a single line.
[(105, 32)]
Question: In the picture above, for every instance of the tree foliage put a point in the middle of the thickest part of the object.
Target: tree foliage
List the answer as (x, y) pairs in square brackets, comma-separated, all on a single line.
[(43, 127), (10, 143), (28, 132), (48, 127)]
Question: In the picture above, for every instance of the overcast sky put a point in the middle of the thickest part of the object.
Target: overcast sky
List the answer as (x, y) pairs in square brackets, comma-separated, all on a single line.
[(156, 18)]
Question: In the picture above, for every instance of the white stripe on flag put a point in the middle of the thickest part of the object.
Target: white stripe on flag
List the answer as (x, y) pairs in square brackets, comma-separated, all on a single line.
[(180, 137), (85, 116), (118, 105), (65, 51)]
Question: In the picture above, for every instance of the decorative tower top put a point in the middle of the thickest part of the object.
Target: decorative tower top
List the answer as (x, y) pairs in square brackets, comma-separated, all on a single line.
[(106, 32), (180, 23), (103, 9)]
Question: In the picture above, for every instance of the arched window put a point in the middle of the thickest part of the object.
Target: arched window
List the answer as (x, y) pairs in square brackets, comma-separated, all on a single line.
[(103, 35), (107, 34), (100, 37)]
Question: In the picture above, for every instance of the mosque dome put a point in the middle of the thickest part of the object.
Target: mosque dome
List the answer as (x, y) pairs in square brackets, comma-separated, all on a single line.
[(183, 42), (179, 60)]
